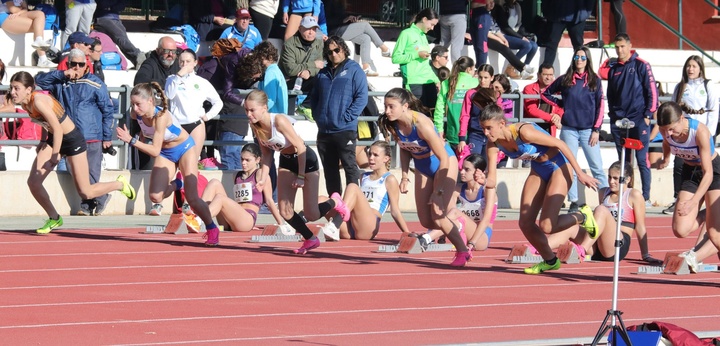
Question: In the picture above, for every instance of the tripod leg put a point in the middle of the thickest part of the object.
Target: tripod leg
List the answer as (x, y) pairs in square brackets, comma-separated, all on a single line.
[(604, 327)]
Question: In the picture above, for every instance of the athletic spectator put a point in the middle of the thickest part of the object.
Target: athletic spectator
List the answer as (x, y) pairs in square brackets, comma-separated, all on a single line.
[(632, 94), (210, 17), (453, 25), (243, 31), (351, 28), (107, 21), (411, 53), (561, 15), (537, 108), (263, 12), (78, 17), (86, 101), (338, 99), (16, 19)]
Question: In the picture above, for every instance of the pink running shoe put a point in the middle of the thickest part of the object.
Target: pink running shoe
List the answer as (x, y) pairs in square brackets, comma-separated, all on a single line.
[(580, 250), (461, 258), (340, 207), (308, 245), (212, 236), (461, 221), (207, 164)]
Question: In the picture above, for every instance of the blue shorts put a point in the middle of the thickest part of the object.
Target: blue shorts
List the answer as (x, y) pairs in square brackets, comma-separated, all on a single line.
[(545, 169), (3, 16), (175, 153), (429, 165)]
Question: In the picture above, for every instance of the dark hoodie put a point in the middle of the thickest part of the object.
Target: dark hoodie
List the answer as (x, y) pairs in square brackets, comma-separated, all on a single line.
[(152, 70)]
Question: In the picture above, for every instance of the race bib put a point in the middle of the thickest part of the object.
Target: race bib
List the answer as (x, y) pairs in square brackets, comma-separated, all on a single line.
[(243, 192)]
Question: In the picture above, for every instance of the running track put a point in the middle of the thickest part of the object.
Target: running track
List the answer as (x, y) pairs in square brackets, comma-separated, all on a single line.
[(119, 286)]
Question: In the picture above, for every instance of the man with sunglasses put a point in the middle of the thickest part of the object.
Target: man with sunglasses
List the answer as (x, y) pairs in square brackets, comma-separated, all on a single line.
[(86, 101), (78, 40), (160, 63), (337, 100)]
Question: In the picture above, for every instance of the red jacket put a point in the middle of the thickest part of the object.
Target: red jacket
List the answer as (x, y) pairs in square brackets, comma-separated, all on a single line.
[(532, 106)]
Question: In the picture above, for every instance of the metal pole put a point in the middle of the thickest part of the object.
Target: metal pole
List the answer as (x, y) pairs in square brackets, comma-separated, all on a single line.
[(598, 21), (680, 25)]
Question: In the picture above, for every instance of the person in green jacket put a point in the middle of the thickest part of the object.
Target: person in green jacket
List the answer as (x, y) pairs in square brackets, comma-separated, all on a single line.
[(412, 51), (450, 99)]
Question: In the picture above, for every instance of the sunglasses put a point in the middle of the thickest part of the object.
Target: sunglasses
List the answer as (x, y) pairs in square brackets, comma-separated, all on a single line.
[(580, 57), (335, 51), (78, 64), (168, 51)]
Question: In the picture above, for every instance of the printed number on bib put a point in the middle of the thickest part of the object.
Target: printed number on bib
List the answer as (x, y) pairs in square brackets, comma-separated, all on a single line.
[(243, 192)]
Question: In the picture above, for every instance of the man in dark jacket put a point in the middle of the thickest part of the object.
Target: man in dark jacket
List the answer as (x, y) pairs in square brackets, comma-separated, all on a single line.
[(160, 63), (631, 94), (107, 21), (86, 101), (337, 100)]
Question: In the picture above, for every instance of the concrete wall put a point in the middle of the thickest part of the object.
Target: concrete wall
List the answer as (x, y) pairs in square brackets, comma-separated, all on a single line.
[(16, 200)]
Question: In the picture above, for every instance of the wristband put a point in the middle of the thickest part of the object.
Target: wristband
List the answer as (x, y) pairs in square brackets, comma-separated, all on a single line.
[(300, 176), (133, 141), (404, 179), (471, 243)]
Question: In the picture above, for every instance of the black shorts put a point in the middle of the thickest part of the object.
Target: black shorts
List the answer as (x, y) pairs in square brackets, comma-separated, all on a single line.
[(691, 176), (290, 162), (191, 126), (73, 143), (659, 149), (624, 248)]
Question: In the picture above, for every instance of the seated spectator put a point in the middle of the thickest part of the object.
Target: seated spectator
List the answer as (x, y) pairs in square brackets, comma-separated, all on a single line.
[(302, 57), (16, 19), (96, 64), (210, 18), (351, 28), (537, 108), (78, 17), (81, 41), (107, 21), (160, 64), (508, 17), (439, 58), (243, 31), (294, 11)]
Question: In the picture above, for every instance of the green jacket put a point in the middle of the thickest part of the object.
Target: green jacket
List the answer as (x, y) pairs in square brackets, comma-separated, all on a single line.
[(295, 59), (415, 70), (464, 83)]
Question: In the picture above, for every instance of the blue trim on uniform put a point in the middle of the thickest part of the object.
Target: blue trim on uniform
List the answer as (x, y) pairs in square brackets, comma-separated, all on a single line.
[(546, 169), (175, 153), (430, 165)]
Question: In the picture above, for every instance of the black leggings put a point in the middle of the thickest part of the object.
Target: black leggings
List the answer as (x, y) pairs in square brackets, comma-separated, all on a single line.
[(507, 53), (616, 6)]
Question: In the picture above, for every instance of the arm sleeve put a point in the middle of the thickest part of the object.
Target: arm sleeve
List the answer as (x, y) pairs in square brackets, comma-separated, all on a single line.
[(649, 90), (549, 94), (501, 19), (712, 107), (286, 6), (465, 114), (171, 86), (360, 97), (400, 55), (439, 114), (47, 80), (599, 106), (214, 98), (106, 107), (532, 106)]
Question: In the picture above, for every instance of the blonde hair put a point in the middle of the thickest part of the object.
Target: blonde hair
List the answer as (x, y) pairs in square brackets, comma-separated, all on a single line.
[(260, 97)]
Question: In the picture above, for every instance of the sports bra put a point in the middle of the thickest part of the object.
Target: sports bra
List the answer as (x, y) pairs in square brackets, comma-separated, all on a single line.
[(277, 140), (689, 150), (628, 214), (37, 117), (375, 192), (526, 151), (172, 132), (244, 190)]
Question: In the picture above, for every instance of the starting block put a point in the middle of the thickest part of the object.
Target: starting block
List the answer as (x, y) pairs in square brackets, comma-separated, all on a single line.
[(176, 225), (567, 253), (411, 245), (277, 234), (520, 254), (650, 270), (674, 264)]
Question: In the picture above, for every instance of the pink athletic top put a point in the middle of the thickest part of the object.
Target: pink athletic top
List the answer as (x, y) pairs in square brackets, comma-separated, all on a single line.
[(628, 214)]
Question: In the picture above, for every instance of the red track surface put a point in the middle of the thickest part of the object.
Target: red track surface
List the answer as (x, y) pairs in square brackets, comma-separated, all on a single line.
[(118, 286)]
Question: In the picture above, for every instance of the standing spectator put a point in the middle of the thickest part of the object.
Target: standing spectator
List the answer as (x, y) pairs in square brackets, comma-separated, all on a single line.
[(86, 101), (186, 92), (582, 100), (453, 24), (302, 57), (210, 17), (439, 58), (508, 17), (351, 28), (294, 11), (243, 31), (698, 100), (263, 12), (78, 17), (632, 94), (160, 64), (480, 27), (107, 21), (411, 53), (81, 41), (616, 7), (337, 100), (537, 108), (561, 15), (16, 19), (450, 99)]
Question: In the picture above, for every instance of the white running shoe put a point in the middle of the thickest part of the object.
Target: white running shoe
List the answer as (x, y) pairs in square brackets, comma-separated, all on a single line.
[(691, 260), (46, 63), (330, 231), (39, 43), (286, 229)]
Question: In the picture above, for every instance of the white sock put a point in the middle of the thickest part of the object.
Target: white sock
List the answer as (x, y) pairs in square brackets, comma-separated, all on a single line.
[(42, 58), (427, 238)]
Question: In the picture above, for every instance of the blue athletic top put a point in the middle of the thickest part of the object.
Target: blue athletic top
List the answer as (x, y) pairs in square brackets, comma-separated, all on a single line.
[(412, 142), (689, 150), (526, 151)]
